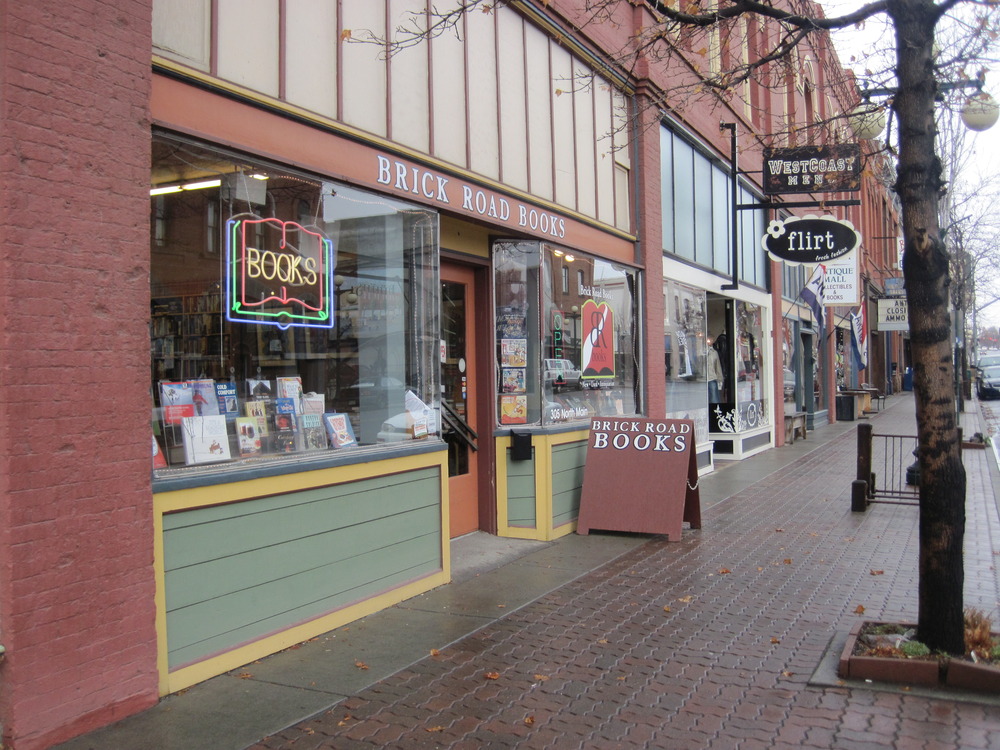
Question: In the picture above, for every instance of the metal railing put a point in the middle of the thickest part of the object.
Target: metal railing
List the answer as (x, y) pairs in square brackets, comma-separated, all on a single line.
[(887, 470)]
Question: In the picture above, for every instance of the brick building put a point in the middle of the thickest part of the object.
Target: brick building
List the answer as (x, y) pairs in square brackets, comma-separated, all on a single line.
[(341, 294)]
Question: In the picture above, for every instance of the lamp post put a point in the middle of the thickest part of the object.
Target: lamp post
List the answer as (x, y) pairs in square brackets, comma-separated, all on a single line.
[(980, 112)]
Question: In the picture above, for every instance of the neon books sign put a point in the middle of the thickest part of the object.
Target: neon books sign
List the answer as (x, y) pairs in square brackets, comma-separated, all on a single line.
[(278, 273)]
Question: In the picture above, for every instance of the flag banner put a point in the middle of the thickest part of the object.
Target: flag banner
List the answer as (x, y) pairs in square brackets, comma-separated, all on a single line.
[(813, 293), (859, 337)]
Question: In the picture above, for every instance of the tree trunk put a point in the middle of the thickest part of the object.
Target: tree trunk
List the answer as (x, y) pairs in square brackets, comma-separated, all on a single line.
[(925, 269)]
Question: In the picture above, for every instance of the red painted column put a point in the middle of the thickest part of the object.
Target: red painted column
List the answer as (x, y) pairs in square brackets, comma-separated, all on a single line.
[(77, 614)]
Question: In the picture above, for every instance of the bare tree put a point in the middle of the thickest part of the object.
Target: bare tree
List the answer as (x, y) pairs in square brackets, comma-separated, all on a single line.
[(689, 28)]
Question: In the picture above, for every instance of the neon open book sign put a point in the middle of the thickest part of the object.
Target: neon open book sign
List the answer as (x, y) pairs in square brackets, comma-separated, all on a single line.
[(278, 273)]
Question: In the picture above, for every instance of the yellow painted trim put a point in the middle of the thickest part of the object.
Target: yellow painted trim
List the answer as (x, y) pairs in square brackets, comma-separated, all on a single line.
[(217, 494), (543, 485), (500, 451), (187, 676), (544, 529), (199, 497), (160, 598), (181, 71)]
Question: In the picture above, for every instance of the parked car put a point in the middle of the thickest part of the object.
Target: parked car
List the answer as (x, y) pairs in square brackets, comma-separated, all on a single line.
[(560, 373), (988, 386), (988, 360)]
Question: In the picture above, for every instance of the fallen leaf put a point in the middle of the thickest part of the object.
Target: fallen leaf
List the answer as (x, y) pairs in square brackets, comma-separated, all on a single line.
[(759, 568), (438, 728), (343, 722), (666, 608), (360, 665), (620, 679), (345, 34), (541, 677), (501, 606), (603, 641), (877, 572), (860, 610), (435, 652), (775, 640), (723, 571), (245, 676), (685, 599), (788, 561), (779, 530), (788, 674), (529, 720), (491, 675)]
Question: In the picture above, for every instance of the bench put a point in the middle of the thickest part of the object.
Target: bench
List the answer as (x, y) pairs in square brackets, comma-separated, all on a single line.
[(795, 423)]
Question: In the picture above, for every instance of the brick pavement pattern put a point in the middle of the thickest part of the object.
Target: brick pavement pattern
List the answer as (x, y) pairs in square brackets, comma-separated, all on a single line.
[(708, 642)]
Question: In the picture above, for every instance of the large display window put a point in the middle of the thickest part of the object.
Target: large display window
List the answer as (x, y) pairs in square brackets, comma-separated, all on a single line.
[(693, 369), (291, 315), (566, 333), (736, 331)]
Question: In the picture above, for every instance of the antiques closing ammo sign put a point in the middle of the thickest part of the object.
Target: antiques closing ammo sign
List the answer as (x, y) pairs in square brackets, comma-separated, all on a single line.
[(641, 475)]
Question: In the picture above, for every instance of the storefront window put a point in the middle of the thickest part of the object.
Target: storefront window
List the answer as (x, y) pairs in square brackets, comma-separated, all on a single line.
[(736, 330), (566, 335), (693, 370), (290, 316)]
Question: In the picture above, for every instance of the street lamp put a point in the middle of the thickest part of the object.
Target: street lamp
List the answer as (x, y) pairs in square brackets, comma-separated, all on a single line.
[(981, 111)]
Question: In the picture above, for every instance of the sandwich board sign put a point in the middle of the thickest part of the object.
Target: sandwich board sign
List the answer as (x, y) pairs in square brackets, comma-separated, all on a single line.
[(641, 475)]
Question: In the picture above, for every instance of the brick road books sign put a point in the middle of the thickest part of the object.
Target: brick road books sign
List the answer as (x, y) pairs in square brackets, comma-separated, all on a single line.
[(641, 475)]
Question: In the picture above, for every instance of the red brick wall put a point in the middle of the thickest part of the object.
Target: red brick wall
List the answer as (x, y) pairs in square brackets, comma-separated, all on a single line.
[(77, 614)]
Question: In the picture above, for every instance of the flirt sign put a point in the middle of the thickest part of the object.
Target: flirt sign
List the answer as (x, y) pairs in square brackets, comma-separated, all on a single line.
[(278, 273), (641, 475)]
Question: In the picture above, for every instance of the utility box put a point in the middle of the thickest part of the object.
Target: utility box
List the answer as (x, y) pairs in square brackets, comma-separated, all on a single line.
[(847, 409)]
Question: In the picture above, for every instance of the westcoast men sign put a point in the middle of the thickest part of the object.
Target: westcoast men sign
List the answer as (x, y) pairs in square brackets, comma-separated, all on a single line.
[(659, 492), (812, 169)]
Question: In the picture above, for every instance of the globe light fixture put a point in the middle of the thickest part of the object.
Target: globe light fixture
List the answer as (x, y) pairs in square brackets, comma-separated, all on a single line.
[(867, 120), (980, 112)]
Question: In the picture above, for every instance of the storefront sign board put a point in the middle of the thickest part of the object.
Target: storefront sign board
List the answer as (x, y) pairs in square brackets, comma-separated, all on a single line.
[(894, 287), (810, 239), (840, 285), (641, 475), (812, 169), (893, 314)]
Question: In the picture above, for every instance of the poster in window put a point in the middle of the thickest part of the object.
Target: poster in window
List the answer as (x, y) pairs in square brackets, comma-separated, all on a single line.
[(598, 322), (514, 352), (205, 439), (512, 380), (511, 324), (177, 400), (513, 409)]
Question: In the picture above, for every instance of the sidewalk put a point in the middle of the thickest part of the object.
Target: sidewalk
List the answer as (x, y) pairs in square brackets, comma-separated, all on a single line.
[(725, 639)]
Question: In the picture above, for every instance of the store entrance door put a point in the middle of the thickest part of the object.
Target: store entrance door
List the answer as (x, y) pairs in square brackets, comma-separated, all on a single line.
[(459, 391)]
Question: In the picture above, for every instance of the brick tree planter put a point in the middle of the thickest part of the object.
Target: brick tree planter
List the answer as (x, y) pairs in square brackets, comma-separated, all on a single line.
[(930, 671)]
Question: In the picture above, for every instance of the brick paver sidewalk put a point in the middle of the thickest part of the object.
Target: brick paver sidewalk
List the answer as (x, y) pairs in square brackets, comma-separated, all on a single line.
[(710, 642)]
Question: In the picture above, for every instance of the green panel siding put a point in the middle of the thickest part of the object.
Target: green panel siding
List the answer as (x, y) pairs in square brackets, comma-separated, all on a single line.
[(521, 493), (567, 481), (237, 572)]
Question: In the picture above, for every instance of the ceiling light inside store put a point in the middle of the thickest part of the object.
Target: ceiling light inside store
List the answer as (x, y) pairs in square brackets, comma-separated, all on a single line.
[(200, 185)]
